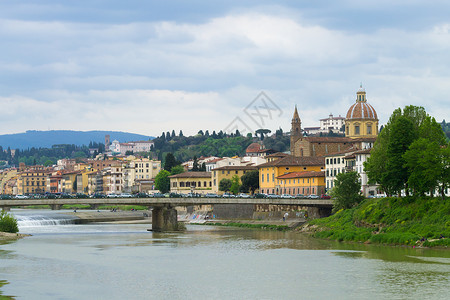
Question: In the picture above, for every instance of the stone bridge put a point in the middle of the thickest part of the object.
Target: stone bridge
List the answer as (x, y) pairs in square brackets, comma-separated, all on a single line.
[(164, 215)]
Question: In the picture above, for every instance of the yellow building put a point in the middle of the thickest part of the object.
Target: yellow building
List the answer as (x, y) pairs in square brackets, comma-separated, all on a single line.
[(5, 176), (305, 183), (32, 181), (362, 119), (228, 172), (270, 171), (191, 182)]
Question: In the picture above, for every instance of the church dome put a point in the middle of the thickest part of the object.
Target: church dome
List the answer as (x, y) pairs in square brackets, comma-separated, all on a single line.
[(361, 109)]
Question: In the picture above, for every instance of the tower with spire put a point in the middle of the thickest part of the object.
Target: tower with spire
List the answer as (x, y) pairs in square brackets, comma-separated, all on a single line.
[(296, 129)]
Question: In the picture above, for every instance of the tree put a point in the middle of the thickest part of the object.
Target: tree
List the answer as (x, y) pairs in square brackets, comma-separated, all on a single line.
[(346, 191), (162, 181), (170, 162), (424, 163), (178, 169), (250, 182), (235, 185), (225, 185), (402, 134), (195, 167), (262, 132), (173, 133), (181, 133)]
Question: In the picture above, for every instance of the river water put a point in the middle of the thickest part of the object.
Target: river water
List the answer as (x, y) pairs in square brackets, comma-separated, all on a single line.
[(125, 261)]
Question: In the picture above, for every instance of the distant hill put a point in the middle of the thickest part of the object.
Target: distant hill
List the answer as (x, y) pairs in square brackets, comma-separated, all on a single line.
[(45, 139)]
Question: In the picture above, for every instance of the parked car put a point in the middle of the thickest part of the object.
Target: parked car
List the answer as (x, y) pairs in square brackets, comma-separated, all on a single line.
[(141, 195), (19, 196), (286, 196), (112, 195), (5, 197), (243, 195), (157, 195), (259, 196), (272, 196), (126, 195), (325, 196), (98, 195), (313, 197), (228, 195), (300, 196), (211, 195)]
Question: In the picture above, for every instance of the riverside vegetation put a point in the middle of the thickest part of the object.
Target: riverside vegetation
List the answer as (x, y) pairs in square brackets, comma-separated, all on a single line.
[(422, 221), (8, 223)]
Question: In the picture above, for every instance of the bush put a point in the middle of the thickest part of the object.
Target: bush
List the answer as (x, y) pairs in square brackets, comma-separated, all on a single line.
[(8, 223)]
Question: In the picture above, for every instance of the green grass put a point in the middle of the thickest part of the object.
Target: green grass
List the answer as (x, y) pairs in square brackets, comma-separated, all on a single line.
[(395, 221)]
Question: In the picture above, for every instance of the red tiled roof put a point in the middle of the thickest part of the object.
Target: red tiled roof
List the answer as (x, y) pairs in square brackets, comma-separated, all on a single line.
[(192, 175), (236, 168), (328, 139), (362, 110), (302, 174), (295, 161), (254, 147)]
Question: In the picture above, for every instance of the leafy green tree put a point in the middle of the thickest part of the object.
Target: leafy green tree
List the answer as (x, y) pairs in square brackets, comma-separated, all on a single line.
[(235, 184), (346, 191), (178, 169), (401, 137), (225, 185), (424, 163), (8, 223), (250, 182), (162, 181), (170, 162), (195, 167)]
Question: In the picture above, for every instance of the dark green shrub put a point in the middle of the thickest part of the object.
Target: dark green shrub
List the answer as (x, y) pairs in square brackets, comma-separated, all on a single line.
[(8, 223)]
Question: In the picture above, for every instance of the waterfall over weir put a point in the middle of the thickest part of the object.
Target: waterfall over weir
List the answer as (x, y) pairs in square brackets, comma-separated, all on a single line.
[(43, 218)]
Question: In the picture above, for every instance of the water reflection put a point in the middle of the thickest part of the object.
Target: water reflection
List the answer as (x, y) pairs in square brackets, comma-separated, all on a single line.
[(229, 263)]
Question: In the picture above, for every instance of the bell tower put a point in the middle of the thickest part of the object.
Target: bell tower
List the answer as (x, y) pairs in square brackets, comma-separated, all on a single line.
[(296, 129)]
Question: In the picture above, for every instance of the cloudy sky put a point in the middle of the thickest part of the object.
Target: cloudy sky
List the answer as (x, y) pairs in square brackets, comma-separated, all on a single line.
[(152, 66)]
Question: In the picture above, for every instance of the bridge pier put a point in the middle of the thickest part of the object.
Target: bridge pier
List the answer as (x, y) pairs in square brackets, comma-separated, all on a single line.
[(164, 218), (6, 208), (55, 206), (318, 212)]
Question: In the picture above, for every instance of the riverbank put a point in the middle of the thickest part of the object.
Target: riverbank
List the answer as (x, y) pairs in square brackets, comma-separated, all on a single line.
[(416, 222), (136, 216), (11, 236)]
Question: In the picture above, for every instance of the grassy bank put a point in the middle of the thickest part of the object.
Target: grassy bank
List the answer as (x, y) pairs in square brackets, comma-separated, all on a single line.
[(394, 221)]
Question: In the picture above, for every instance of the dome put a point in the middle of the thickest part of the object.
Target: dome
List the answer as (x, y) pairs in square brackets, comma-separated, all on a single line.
[(361, 110)]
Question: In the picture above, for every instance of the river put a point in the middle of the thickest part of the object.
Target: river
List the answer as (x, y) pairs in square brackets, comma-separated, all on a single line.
[(125, 261)]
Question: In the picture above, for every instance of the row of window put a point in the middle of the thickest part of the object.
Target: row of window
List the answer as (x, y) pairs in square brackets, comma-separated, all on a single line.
[(193, 184), (289, 191)]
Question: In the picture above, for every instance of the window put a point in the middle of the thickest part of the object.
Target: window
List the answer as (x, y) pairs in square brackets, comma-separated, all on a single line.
[(327, 161), (369, 128), (356, 129), (262, 177)]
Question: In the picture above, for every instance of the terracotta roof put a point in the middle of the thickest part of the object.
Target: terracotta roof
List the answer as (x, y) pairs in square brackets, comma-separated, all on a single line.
[(278, 154), (295, 161), (214, 161), (328, 139), (362, 110), (236, 168), (367, 139), (192, 175), (254, 147), (344, 152), (364, 151), (350, 156), (302, 174)]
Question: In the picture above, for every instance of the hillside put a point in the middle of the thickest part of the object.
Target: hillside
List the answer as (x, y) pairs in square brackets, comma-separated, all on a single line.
[(46, 139), (421, 221)]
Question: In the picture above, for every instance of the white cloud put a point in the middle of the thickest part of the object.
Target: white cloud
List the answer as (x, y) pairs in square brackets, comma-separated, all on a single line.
[(154, 76)]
